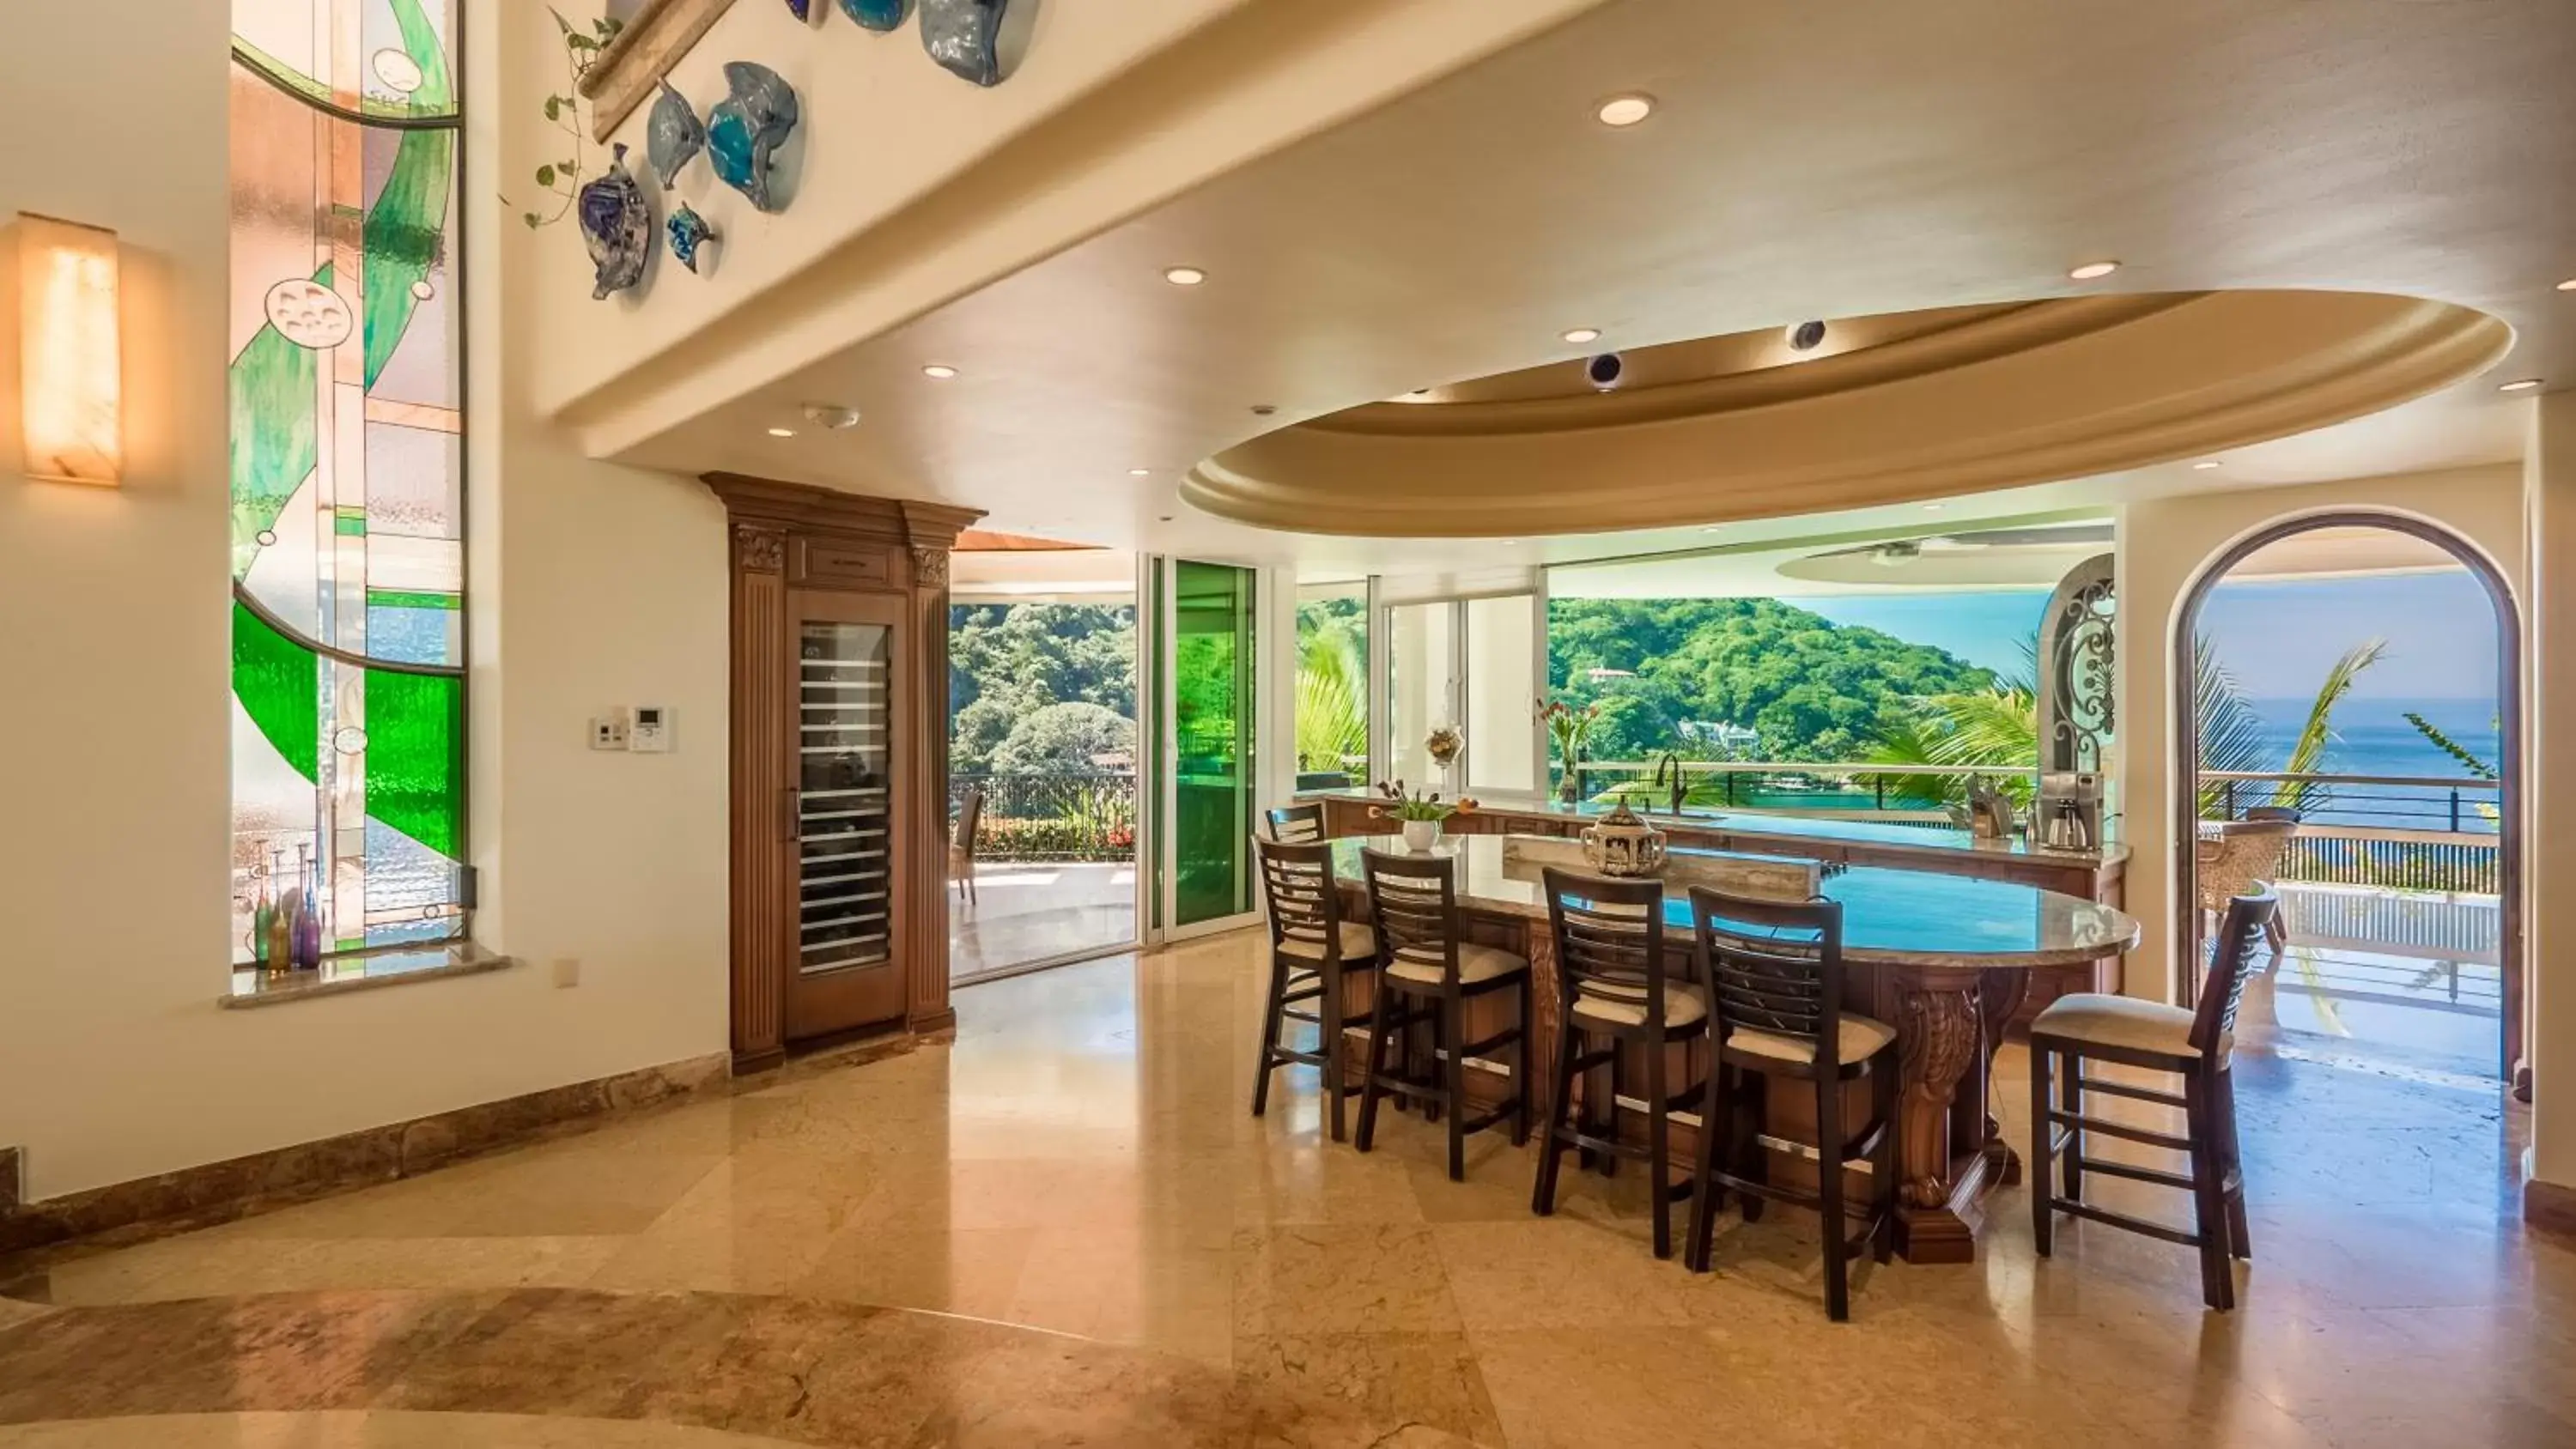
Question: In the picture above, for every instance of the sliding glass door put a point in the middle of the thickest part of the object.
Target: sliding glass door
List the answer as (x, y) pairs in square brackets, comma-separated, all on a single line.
[(1205, 707)]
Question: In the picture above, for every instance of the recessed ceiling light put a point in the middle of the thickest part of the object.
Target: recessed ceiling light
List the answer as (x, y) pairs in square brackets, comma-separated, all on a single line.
[(782, 432), (2519, 384), (1263, 410), (2092, 270), (1162, 518), (939, 370), (1934, 507), (1507, 542), (2568, 286), (2205, 464), (1583, 334), (1184, 276), (1140, 472), (1626, 110)]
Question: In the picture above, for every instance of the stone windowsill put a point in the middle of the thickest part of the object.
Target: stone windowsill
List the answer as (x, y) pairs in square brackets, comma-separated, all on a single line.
[(435, 962)]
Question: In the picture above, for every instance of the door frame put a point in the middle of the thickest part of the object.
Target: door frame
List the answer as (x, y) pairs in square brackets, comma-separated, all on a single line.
[(1161, 743), (2184, 759)]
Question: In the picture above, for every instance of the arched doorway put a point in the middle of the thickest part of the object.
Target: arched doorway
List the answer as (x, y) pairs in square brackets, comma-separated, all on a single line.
[(2187, 757)]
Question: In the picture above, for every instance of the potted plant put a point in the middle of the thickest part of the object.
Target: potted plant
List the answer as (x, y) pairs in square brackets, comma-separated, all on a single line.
[(1571, 728), (1418, 813)]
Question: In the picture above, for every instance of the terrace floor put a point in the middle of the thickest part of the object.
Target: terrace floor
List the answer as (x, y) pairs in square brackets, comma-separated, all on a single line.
[(1025, 911), (2408, 979)]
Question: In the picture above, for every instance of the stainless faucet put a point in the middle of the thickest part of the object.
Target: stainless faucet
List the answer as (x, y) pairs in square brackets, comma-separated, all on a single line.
[(1679, 783)]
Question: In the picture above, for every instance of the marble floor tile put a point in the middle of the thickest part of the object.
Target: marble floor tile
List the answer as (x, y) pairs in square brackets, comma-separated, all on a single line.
[(1065, 1227)]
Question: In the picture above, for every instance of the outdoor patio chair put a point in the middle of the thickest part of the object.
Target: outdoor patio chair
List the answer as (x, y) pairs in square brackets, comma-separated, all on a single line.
[(961, 842), (2241, 858)]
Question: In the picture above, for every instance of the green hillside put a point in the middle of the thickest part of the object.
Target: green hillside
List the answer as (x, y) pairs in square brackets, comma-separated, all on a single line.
[(1814, 690)]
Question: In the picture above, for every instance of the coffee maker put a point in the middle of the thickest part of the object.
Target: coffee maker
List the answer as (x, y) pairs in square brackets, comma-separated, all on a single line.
[(2069, 813)]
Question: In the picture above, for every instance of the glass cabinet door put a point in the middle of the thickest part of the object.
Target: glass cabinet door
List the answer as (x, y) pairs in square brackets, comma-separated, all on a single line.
[(846, 968), (845, 757)]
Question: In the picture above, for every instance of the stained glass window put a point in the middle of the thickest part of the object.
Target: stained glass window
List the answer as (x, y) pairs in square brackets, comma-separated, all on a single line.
[(347, 479)]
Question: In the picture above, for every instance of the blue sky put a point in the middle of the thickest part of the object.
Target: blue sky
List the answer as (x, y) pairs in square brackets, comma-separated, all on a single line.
[(2279, 639)]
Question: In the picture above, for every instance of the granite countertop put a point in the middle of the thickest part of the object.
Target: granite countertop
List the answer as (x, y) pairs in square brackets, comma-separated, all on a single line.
[(1936, 839), (1891, 917)]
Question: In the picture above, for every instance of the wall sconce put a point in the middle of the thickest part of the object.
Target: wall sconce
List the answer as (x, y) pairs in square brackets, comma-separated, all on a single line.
[(71, 378)]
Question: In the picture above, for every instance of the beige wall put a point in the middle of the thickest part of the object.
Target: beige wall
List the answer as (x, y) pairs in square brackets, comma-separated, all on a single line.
[(593, 586), (2550, 874), (2164, 545)]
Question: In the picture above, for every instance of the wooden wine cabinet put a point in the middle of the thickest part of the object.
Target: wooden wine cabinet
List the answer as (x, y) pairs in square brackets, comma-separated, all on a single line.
[(839, 764)]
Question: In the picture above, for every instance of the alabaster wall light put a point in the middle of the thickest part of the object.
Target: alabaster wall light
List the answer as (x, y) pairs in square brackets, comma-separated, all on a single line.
[(70, 375)]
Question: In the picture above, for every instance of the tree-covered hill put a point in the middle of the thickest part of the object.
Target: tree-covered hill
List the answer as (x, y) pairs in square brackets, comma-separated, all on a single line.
[(1814, 690), (1008, 662)]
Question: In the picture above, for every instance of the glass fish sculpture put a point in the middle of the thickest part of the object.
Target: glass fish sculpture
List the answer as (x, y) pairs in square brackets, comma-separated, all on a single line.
[(688, 231), (617, 225), (877, 14), (961, 35), (748, 126), (672, 134)]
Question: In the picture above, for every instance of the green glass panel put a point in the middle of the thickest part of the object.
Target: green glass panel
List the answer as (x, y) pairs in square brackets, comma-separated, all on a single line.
[(280, 683), (416, 756), (403, 239), (1212, 679), (272, 433), (350, 521)]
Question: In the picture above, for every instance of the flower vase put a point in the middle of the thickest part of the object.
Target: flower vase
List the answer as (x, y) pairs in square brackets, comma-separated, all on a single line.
[(1571, 791), (1421, 835)]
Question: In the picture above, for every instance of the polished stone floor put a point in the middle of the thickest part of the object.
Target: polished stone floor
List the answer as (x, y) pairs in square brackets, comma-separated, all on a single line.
[(1065, 1229)]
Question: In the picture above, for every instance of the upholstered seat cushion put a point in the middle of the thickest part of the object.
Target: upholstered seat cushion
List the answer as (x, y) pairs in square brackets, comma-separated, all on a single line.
[(1359, 943), (1858, 1041), (1682, 1006), (1475, 963), (2122, 1021)]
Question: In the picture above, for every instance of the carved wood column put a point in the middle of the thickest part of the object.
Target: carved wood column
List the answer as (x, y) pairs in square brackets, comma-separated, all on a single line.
[(760, 782), (1940, 1034), (928, 1008)]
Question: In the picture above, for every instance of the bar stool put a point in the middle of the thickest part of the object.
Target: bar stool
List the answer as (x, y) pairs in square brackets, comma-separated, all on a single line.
[(1430, 975), (2194, 1045), (1775, 969), (1312, 951), (1296, 824), (1615, 982)]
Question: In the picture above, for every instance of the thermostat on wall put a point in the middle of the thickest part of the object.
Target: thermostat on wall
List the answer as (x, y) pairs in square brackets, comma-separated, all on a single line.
[(652, 733)]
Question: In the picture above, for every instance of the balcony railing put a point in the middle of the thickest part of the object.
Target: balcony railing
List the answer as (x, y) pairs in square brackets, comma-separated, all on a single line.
[(2395, 832), (1894, 794), (1051, 817)]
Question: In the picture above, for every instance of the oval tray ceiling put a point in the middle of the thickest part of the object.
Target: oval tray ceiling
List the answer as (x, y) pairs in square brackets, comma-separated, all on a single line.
[(1888, 410)]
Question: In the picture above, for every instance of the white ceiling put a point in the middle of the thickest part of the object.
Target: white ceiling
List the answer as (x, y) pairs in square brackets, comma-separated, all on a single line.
[(1868, 156)]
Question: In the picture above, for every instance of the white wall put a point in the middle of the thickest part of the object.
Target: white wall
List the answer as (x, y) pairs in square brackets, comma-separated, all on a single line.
[(2550, 873), (2164, 544), (592, 586)]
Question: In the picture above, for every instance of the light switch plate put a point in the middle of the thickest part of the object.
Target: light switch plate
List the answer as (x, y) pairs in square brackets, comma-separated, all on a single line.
[(609, 731)]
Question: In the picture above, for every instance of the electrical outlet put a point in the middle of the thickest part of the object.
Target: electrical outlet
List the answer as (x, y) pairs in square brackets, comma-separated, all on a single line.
[(567, 971), (609, 731)]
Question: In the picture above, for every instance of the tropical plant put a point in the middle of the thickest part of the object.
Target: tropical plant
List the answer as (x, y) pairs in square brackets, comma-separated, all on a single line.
[(2309, 755), (1332, 703), (2451, 747), (1102, 814)]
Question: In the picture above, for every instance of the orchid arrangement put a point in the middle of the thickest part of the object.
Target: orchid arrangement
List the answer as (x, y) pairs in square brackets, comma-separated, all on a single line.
[(1570, 727), (1416, 805)]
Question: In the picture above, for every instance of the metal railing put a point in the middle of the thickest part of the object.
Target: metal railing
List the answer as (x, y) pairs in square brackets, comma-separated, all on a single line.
[(1891, 793), (1051, 817), (2394, 832)]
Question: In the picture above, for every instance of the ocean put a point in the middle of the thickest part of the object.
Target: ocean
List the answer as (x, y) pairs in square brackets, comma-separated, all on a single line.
[(2372, 737)]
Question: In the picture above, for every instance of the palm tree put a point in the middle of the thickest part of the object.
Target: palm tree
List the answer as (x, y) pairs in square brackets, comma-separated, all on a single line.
[(2309, 754), (1332, 706), (1999, 727)]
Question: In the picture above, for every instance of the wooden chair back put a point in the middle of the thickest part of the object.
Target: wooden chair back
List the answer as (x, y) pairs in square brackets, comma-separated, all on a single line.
[(1609, 940), (1413, 904), (1296, 824), (2239, 931), (970, 818), (1773, 966), (1305, 905)]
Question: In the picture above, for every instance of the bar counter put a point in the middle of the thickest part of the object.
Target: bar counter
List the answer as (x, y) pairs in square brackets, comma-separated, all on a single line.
[(2097, 875), (1945, 961)]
